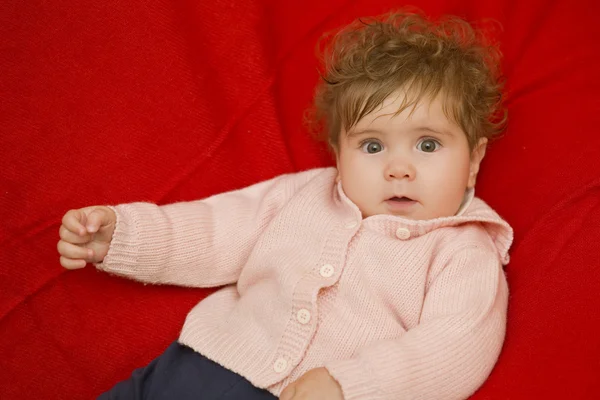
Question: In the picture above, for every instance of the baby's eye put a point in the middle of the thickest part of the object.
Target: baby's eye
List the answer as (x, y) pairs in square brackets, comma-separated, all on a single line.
[(428, 145), (371, 146)]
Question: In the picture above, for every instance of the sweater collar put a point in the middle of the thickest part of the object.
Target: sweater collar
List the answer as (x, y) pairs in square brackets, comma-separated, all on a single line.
[(473, 210)]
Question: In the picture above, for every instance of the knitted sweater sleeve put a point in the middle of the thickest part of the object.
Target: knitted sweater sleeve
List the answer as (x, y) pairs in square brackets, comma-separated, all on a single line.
[(452, 350), (201, 243)]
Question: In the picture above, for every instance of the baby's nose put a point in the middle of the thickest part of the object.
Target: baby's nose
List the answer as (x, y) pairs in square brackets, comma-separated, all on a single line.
[(400, 170)]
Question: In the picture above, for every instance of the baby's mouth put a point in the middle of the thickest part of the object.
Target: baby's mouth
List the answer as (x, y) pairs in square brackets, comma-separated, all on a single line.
[(400, 204), (400, 199)]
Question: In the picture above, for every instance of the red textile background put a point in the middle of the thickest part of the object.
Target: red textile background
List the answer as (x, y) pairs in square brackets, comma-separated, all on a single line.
[(157, 100)]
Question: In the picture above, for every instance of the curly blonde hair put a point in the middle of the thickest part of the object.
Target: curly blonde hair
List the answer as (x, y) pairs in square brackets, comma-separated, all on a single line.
[(370, 59)]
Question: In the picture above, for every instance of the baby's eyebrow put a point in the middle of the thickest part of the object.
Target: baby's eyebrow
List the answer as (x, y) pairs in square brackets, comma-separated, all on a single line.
[(433, 130), (353, 133)]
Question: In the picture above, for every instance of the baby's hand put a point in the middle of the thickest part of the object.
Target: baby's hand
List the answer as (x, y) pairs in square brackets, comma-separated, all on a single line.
[(85, 236), (315, 384)]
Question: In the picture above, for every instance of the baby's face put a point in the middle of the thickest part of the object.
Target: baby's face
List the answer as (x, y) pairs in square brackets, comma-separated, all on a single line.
[(416, 166)]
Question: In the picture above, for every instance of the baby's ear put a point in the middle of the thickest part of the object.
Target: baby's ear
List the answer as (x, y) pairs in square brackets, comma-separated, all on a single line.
[(476, 157), (338, 178), (337, 165)]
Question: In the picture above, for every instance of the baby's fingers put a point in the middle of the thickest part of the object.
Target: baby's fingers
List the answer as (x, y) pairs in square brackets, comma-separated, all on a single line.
[(73, 251), (73, 219), (72, 264), (71, 237), (99, 217)]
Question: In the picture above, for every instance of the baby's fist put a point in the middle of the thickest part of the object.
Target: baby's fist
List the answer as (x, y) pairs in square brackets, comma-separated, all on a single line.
[(316, 384), (85, 236)]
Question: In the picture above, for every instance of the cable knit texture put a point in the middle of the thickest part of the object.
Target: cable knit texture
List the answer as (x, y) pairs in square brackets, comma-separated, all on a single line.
[(393, 308)]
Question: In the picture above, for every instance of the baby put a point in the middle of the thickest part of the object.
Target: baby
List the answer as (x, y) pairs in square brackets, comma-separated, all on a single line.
[(381, 278)]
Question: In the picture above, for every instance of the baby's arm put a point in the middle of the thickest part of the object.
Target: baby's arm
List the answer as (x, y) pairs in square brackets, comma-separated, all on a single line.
[(452, 350), (202, 243)]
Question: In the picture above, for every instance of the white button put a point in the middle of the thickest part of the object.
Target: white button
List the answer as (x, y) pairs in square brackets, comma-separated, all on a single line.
[(303, 316), (350, 224), (326, 270), (280, 365), (402, 233)]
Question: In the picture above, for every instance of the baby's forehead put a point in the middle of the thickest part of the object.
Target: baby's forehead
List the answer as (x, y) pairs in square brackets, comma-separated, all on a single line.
[(401, 107)]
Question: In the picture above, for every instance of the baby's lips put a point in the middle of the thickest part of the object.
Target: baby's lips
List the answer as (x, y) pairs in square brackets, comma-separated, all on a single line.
[(403, 198)]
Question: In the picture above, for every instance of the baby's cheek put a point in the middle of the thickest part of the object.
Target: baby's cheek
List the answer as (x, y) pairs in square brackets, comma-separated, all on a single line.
[(448, 203)]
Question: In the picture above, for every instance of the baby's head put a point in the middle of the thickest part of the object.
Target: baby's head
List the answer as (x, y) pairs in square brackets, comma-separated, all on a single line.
[(408, 106)]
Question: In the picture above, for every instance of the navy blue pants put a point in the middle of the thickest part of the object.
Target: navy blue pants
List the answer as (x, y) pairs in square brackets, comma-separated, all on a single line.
[(181, 373)]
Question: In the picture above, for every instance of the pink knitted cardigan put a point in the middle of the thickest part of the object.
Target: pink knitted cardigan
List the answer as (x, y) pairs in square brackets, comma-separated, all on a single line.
[(393, 308)]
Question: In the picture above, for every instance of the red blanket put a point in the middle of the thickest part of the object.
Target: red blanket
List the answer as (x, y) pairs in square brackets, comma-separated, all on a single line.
[(155, 100)]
